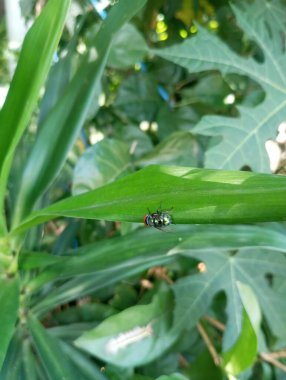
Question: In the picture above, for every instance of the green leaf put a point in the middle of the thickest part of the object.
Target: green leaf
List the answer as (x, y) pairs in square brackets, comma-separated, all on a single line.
[(9, 301), (100, 164), (180, 148), (83, 363), (141, 377), (87, 284), (50, 352), (33, 66), (138, 97), (192, 195), (251, 306), (133, 337), (130, 255), (13, 359), (58, 79), (62, 125), (242, 139), (33, 260), (122, 253), (175, 376), (203, 367), (29, 361), (171, 119), (128, 48), (206, 238), (222, 272), (243, 353), (138, 141), (210, 90)]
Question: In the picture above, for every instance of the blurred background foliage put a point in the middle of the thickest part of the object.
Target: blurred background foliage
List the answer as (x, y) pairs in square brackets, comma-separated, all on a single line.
[(143, 114), (146, 106)]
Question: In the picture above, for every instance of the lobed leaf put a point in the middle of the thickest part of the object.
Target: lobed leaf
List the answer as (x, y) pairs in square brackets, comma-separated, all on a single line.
[(223, 270), (241, 139)]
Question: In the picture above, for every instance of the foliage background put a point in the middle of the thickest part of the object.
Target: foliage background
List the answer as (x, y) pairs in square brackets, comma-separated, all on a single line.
[(186, 86)]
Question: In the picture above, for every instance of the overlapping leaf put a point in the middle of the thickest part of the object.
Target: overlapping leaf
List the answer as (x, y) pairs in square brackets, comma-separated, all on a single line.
[(100, 164), (9, 298), (63, 123), (223, 270), (133, 337), (242, 137)]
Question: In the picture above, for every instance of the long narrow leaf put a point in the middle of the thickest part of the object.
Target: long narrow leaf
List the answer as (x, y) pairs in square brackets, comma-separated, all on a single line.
[(125, 252), (9, 301), (83, 285), (191, 195), (13, 357), (29, 361), (144, 245), (33, 66), (62, 126), (50, 352)]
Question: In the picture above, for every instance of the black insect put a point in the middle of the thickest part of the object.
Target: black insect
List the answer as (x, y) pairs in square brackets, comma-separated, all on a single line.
[(159, 219)]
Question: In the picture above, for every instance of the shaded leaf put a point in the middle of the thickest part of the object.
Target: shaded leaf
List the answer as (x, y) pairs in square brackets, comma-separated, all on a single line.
[(223, 270), (100, 164), (141, 377), (33, 260), (13, 359), (138, 97), (29, 361), (83, 363), (203, 367), (123, 252), (128, 48), (58, 79), (87, 284), (62, 125), (175, 376), (133, 337), (138, 141), (243, 137), (180, 148), (9, 301), (49, 352), (206, 238), (210, 90), (33, 66), (243, 353)]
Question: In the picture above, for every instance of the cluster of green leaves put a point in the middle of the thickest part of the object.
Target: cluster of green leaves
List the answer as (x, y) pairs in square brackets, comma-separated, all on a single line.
[(95, 295)]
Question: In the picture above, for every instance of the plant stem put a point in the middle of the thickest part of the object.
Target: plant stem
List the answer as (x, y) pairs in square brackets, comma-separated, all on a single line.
[(268, 357), (209, 344), (214, 322)]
